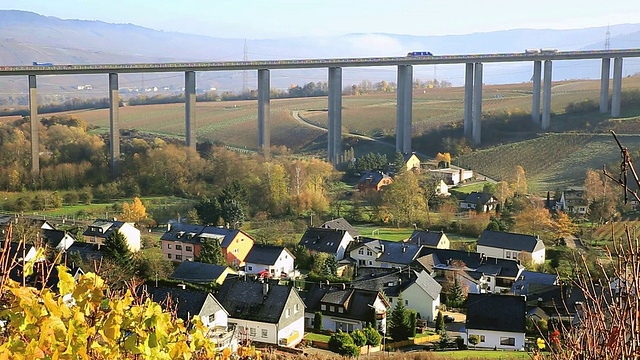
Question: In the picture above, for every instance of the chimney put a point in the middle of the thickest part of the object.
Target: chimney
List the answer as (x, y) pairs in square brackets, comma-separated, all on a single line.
[(404, 249), (168, 227), (265, 288)]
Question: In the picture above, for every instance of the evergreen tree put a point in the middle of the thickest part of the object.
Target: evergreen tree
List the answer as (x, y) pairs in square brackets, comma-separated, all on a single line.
[(398, 163), (373, 336), (317, 320), (457, 295), (439, 322), (399, 327), (233, 213), (209, 211), (115, 248), (413, 320), (211, 253)]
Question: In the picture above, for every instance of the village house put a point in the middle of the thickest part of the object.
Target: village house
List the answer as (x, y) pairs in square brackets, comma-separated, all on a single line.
[(486, 202), (330, 241), (512, 246), (189, 303), (277, 261), (383, 253), (497, 320), (411, 161), (453, 176), (100, 230), (435, 239), (477, 273), (346, 309), (419, 291), (264, 312), (341, 224), (201, 273), (572, 201), (373, 181), (183, 242)]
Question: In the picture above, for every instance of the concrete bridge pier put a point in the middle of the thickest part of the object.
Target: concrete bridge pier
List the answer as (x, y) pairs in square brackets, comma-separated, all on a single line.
[(264, 112), (535, 106), (477, 104), (35, 125), (404, 108), (190, 108), (617, 87), (334, 146), (468, 99), (604, 85), (114, 123), (546, 96)]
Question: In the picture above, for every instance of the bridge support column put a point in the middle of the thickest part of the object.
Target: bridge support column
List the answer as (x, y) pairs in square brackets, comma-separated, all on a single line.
[(190, 108), (334, 147), (546, 96), (535, 106), (404, 108), (604, 85), (617, 87), (35, 125), (264, 112), (468, 99), (477, 104), (114, 124)]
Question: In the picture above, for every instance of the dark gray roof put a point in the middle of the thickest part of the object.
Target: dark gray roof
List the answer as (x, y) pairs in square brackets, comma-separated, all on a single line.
[(398, 252), (322, 240), (195, 234), (473, 198), (372, 177), (443, 258), (426, 238), (265, 254), (510, 241), (392, 282), (407, 156), (197, 272), (102, 228), (554, 299), (496, 312), (88, 252), (520, 287), (341, 224), (354, 301), (188, 303), (245, 300), (53, 237)]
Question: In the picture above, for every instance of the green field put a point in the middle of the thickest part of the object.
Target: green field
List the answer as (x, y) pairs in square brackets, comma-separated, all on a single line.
[(482, 354)]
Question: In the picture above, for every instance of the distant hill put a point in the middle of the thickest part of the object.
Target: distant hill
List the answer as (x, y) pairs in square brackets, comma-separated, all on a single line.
[(26, 37)]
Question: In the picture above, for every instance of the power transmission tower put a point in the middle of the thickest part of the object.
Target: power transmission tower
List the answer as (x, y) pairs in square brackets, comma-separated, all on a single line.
[(245, 75), (607, 44)]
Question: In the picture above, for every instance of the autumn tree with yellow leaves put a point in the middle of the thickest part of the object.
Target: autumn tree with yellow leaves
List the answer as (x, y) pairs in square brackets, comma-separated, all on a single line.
[(134, 212)]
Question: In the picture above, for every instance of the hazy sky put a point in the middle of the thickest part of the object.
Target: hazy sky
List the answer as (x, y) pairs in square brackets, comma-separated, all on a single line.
[(255, 19)]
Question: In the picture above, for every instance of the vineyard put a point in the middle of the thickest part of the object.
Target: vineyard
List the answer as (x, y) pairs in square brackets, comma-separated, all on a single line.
[(551, 161), (617, 228)]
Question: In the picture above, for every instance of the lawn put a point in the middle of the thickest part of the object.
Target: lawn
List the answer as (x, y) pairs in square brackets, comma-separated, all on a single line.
[(384, 233), (482, 354), (316, 337)]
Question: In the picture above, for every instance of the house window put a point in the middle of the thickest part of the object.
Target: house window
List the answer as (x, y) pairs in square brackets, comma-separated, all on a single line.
[(482, 338), (264, 333), (508, 341), (178, 257), (168, 256), (249, 268), (212, 318), (296, 308), (287, 313), (369, 252), (323, 307), (370, 262), (332, 308), (188, 248), (406, 302), (361, 251), (340, 309), (168, 246), (178, 247), (92, 239), (390, 300), (235, 251), (252, 331)]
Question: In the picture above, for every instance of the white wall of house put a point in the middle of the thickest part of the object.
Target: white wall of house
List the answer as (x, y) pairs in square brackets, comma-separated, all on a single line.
[(220, 319), (294, 332), (417, 299), (346, 240), (256, 330), (537, 257), (132, 235), (284, 264), (364, 256), (496, 339)]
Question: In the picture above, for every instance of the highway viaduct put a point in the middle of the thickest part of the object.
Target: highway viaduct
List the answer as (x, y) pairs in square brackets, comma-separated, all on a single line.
[(472, 98)]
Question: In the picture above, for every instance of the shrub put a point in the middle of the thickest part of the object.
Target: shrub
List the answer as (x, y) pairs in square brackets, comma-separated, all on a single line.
[(350, 350), (373, 336), (359, 338), (340, 341), (317, 320)]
